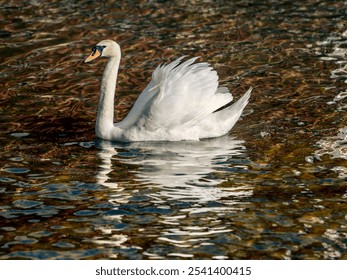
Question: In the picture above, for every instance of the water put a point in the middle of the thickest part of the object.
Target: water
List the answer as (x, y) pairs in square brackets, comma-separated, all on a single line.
[(274, 188)]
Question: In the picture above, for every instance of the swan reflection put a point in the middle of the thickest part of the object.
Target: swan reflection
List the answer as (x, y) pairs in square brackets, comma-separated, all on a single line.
[(179, 171), (178, 184)]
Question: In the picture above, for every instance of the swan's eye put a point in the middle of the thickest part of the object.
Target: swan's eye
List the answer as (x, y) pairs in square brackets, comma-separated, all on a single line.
[(98, 48)]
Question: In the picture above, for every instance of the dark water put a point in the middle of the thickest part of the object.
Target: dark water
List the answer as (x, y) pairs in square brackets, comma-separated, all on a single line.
[(274, 188)]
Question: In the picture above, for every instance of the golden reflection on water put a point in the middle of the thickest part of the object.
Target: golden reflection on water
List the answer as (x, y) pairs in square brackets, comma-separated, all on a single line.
[(282, 197)]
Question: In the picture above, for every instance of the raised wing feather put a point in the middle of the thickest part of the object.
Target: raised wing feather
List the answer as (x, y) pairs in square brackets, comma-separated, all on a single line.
[(179, 94)]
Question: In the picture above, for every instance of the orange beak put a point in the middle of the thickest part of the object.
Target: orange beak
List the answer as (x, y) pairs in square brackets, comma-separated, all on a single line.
[(95, 54)]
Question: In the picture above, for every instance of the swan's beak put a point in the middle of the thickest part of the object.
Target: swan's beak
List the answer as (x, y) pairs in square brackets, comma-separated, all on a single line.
[(95, 54)]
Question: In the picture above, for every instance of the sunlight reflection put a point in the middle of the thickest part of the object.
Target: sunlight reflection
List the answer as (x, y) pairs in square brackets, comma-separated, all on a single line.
[(336, 146)]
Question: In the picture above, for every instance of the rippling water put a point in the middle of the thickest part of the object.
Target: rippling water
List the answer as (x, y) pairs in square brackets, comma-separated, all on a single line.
[(274, 188)]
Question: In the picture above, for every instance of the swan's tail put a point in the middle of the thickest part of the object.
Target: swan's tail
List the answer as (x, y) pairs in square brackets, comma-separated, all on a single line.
[(230, 115), (242, 102)]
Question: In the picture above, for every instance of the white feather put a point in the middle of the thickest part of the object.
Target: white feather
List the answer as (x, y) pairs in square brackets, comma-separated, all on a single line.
[(180, 103)]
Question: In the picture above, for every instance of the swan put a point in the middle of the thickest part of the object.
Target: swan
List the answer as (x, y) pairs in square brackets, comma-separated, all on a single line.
[(183, 101)]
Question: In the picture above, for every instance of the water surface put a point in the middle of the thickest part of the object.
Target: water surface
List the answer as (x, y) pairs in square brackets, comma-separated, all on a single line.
[(274, 188)]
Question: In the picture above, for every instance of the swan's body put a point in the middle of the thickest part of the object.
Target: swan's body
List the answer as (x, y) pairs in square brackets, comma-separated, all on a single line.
[(181, 102)]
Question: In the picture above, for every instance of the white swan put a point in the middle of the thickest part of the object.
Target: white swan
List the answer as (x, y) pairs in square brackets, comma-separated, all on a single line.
[(182, 102)]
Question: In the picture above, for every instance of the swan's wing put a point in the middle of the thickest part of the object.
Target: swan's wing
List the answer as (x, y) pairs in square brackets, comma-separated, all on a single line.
[(179, 94)]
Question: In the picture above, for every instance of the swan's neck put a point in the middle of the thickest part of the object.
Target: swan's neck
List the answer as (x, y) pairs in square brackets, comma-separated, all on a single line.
[(104, 121)]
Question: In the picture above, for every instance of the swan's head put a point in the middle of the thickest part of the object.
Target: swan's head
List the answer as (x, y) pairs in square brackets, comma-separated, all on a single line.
[(105, 48)]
